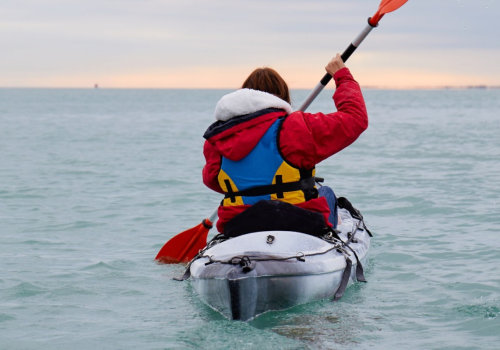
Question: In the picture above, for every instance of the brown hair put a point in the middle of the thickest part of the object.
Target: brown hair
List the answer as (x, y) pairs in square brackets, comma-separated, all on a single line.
[(268, 80)]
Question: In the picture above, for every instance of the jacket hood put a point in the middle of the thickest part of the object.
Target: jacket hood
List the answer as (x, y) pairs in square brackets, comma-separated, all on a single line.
[(247, 101), (243, 117)]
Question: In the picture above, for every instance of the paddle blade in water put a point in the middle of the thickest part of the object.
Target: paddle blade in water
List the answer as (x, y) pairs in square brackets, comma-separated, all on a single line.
[(386, 6), (183, 247)]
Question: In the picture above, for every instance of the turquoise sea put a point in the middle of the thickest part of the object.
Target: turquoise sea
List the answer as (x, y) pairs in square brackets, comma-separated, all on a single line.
[(94, 181)]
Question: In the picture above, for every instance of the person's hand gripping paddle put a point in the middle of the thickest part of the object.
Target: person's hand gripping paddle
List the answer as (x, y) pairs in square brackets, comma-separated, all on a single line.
[(385, 6)]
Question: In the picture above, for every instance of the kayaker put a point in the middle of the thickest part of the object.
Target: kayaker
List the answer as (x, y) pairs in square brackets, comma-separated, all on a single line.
[(258, 148)]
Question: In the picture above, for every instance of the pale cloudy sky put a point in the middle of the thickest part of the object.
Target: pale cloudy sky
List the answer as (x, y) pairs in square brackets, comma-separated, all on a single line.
[(217, 43)]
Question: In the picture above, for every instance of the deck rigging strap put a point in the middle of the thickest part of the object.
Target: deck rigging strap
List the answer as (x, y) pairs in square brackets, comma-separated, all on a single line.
[(344, 203), (187, 272), (345, 280), (246, 262), (360, 275)]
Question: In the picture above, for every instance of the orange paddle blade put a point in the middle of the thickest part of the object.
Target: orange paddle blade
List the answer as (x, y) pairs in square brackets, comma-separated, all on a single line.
[(183, 247), (386, 6)]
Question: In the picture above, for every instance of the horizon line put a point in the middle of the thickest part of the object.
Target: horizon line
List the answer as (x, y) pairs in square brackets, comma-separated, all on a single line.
[(369, 87)]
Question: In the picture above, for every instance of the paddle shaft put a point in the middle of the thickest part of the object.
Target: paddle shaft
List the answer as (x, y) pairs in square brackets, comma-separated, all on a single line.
[(345, 55), (212, 217)]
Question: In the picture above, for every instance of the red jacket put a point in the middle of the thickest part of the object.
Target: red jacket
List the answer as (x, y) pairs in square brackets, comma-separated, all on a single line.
[(305, 139)]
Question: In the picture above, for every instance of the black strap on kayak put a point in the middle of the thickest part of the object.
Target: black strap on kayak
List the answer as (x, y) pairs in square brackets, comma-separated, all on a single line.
[(185, 276), (246, 262), (333, 234), (345, 280), (234, 297), (360, 274), (187, 273), (344, 203)]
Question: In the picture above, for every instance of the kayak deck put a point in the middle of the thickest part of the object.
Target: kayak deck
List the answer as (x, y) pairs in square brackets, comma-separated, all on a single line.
[(272, 270)]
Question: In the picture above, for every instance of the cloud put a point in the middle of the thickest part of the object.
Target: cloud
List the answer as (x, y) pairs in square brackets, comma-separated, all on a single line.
[(68, 40)]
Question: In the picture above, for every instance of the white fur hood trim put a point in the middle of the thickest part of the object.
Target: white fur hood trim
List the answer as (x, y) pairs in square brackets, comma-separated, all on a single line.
[(246, 101)]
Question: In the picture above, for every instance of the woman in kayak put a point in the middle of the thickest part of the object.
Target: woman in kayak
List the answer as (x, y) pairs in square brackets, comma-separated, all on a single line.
[(259, 149)]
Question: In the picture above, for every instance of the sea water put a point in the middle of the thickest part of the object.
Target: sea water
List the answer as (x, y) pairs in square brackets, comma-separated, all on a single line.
[(93, 183)]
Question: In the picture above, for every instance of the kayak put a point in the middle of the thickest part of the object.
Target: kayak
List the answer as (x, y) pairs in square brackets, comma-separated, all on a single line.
[(245, 276)]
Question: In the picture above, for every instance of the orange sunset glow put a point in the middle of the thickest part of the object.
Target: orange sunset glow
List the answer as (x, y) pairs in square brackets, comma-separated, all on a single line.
[(216, 45)]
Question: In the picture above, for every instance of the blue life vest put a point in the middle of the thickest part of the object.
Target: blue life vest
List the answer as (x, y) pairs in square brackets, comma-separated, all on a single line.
[(265, 174)]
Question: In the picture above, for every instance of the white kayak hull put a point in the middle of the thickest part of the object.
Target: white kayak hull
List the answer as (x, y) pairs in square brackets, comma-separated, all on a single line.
[(272, 270)]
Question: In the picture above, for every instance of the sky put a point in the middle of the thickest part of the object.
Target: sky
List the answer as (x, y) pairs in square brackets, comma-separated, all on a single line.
[(217, 43)]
